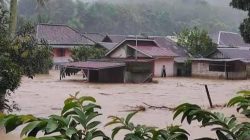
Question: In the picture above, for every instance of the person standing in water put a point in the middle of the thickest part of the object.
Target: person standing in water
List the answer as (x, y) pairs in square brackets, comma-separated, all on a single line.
[(163, 72)]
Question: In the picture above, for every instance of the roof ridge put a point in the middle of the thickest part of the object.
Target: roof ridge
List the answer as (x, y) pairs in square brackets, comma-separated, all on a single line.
[(94, 33), (228, 32), (65, 25)]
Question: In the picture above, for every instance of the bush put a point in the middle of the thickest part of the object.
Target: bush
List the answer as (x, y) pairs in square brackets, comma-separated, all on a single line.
[(87, 52)]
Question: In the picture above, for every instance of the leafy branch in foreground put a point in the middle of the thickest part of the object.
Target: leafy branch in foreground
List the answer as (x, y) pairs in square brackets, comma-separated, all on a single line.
[(226, 128), (242, 102), (76, 122), (143, 132)]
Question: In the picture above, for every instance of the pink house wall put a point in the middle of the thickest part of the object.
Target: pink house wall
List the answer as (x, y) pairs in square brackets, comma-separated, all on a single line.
[(169, 65), (57, 52)]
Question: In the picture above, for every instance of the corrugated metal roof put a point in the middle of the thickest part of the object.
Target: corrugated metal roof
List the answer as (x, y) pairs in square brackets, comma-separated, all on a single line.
[(95, 37), (154, 51), (108, 45), (235, 53), (116, 38), (228, 39), (93, 65), (60, 35), (215, 60), (164, 42)]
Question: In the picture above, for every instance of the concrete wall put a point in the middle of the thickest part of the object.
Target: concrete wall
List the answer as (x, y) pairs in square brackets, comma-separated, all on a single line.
[(122, 53), (169, 65), (237, 75), (137, 72), (201, 69)]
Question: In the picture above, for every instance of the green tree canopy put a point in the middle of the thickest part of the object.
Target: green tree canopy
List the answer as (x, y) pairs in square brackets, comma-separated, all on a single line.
[(158, 17), (245, 25), (87, 52), (196, 41), (20, 56)]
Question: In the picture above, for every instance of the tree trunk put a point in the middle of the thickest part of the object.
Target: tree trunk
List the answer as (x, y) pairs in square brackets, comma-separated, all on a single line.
[(2, 104), (13, 17)]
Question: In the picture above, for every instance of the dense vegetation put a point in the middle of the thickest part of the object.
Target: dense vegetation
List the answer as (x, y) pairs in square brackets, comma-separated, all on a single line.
[(20, 55), (155, 17), (245, 25), (78, 121), (87, 52), (197, 42)]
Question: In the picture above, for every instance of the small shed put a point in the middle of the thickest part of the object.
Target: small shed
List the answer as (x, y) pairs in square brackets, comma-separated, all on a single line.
[(231, 69), (94, 71)]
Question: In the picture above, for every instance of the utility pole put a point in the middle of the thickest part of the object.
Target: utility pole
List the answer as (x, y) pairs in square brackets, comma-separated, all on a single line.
[(136, 44)]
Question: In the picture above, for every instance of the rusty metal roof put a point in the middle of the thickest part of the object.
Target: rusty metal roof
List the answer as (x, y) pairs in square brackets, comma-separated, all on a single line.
[(154, 51), (228, 39), (60, 35), (94, 65)]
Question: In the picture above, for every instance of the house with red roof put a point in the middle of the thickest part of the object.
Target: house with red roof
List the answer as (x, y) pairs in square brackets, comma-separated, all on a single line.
[(61, 38), (146, 50)]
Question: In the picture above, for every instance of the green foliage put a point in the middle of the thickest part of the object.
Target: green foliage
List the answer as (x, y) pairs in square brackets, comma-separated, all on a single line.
[(9, 71), (143, 132), (87, 52), (158, 17), (76, 122), (226, 128), (240, 4), (245, 25), (245, 30), (242, 102), (27, 52), (19, 56), (197, 42)]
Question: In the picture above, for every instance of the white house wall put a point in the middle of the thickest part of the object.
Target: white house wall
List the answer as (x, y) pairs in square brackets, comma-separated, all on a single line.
[(169, 65), (201, 69), (122, 53), (119, 53)]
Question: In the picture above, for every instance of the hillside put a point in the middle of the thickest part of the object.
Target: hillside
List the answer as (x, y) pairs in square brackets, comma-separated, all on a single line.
[(156, 17)]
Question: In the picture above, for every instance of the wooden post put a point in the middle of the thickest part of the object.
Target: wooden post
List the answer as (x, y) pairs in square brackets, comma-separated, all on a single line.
[(226, 74), (60, 74), (208, 96)]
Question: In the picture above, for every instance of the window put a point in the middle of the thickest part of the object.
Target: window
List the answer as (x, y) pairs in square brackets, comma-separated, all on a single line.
[(220, 67)]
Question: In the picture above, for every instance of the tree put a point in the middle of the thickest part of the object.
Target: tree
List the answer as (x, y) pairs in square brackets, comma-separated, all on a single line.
[(19, 56), (245, 25), (196, 41), (13, 15), (87, 52), (152, 17)]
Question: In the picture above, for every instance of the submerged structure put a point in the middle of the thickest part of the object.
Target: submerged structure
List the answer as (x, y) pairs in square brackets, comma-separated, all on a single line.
[(94, 71), (230, 69)]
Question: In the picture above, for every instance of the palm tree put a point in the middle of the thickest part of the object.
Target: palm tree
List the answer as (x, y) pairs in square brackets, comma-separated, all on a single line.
[(13, 14)]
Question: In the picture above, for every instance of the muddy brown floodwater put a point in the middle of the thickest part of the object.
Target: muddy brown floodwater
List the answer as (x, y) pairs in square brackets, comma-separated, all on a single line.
[(44, 95)]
